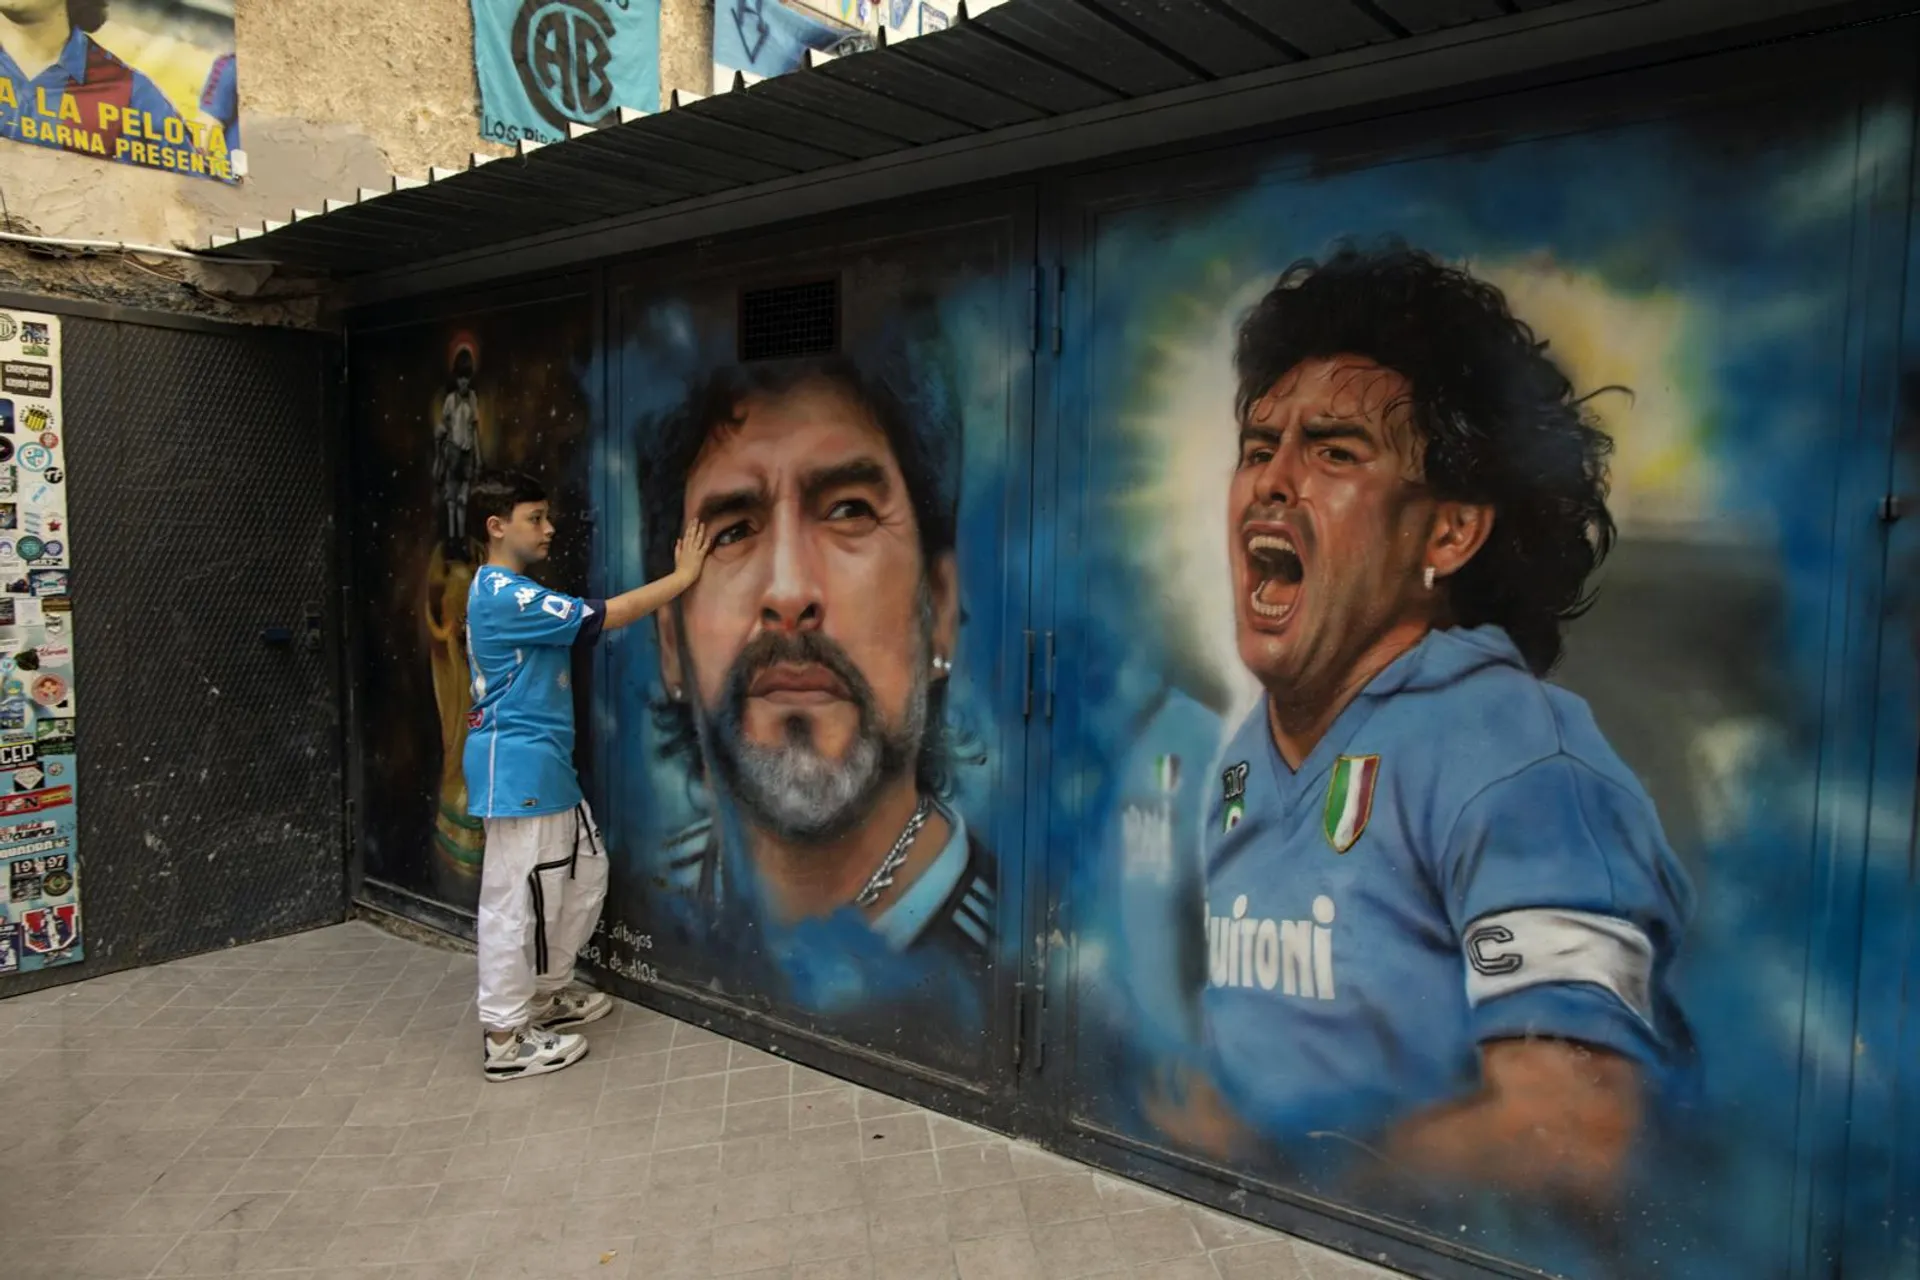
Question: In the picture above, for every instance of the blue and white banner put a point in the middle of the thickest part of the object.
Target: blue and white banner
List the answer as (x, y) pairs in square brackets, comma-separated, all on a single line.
[(544, 64), (761, 38)]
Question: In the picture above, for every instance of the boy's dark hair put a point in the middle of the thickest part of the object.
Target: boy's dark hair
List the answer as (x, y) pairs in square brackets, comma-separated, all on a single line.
[(87, 15), (497, 493)]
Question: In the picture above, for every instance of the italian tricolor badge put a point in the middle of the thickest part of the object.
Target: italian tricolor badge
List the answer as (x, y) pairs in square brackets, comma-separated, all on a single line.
[(1350, 799)]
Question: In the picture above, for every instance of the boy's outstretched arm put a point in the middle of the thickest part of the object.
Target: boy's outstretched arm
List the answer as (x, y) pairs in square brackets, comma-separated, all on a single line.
[(689, 556)]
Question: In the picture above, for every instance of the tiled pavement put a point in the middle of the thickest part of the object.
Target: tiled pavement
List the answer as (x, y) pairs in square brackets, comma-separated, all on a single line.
[(312, 1107)]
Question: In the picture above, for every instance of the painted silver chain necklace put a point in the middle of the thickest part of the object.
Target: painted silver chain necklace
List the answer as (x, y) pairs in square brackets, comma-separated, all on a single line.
[(882, 878)]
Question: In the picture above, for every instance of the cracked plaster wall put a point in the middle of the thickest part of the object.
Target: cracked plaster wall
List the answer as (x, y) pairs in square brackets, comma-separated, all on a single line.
[(335, 95)]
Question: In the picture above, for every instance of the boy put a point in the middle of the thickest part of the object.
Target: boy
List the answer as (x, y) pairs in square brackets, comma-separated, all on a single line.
[(544, 873)]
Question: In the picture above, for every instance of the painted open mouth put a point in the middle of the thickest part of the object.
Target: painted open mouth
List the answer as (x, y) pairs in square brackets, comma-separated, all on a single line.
[(1277, 575)]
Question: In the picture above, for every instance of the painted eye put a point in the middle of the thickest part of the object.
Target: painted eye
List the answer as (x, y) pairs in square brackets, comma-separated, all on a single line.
[(851, 509), (733, 533)]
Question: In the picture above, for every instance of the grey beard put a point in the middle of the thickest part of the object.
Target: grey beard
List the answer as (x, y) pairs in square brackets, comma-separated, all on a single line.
[(794, 792)]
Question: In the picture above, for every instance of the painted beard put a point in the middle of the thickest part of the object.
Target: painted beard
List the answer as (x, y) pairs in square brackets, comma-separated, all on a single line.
[(791, 790)]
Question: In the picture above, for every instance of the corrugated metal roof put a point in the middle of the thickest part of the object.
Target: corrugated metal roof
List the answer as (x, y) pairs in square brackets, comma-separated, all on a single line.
[(1021, 62)]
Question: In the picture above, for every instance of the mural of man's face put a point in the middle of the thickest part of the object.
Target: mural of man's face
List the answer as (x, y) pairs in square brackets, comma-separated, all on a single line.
[(808, 640), (1327, 524)]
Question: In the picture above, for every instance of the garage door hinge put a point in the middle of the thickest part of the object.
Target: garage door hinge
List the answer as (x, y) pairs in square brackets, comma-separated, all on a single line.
[(1019, 1021), (1033, 308), (1059, 306)]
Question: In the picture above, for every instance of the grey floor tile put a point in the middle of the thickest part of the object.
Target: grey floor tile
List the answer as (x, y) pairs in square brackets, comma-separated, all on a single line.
[(155, 1213), (1155, 1235), (1264, 1260), (752, 1246), (121, 1257), (234, 1115), (979, 1212), (902, 1225), (1062, 1197), (1200, 1268), (1070, 1250), (998, 1258), (210, 1253), (930, 1263)]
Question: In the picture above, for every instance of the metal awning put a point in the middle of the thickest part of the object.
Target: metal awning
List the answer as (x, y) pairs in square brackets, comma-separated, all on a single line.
[(1018, 63), (1019, 78)]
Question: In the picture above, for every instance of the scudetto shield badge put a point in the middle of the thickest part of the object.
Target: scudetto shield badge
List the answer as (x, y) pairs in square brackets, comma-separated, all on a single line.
[(1350, 799)]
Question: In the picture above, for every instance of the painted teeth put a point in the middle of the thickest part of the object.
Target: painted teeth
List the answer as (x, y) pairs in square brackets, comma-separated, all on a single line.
[(1268, 542), (1266, 610)]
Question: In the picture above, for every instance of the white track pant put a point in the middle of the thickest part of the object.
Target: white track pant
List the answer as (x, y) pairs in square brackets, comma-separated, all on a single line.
[(542, 881)]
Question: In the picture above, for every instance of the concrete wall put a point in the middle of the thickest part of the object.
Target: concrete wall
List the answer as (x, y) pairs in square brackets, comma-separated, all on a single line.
[(334, 96)]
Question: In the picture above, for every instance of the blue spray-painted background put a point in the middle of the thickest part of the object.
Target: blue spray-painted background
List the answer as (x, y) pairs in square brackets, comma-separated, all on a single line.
[(1749, 249), (1719, 270), (834, 973)]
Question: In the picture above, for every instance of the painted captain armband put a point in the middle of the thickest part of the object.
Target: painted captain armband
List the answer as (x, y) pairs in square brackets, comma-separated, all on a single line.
[(1508, 952)]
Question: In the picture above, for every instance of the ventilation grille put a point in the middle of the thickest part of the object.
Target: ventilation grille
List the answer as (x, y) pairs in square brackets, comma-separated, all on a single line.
[(791, 320)]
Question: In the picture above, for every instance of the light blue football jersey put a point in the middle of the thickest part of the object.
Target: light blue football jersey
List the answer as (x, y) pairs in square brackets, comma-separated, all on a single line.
[(520, 642), (1462, 858)]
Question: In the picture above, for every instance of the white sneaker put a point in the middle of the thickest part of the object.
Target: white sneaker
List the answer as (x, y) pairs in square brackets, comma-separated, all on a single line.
[(531, 1052), (573, 1006)]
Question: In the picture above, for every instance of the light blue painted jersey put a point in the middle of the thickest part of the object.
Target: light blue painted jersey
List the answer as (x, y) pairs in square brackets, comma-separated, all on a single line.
[(1463, 858), (520, 642)]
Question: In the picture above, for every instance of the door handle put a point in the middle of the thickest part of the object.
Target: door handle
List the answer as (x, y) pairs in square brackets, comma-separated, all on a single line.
[(1049, 675), (1026, 677)]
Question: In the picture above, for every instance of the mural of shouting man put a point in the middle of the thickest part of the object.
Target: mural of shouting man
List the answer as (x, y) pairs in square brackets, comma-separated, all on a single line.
[(810, 665), (1441, 911)]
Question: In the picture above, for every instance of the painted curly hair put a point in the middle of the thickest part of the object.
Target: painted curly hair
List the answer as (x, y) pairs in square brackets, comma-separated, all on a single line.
[(1498, 419)]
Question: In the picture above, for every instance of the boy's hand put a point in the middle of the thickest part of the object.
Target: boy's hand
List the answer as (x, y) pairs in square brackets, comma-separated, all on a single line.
[(690, 552)]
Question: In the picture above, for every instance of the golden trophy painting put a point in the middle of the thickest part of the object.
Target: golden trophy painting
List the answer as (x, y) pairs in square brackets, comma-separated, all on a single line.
[(458, 838), (456, 420)]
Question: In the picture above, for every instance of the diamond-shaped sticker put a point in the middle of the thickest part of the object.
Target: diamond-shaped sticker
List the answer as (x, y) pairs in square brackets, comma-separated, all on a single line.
[(27, 779)]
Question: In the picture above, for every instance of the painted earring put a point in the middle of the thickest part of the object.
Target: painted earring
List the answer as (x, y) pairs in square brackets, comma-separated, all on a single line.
[(941, 666), (673, 693), (1427, 577)]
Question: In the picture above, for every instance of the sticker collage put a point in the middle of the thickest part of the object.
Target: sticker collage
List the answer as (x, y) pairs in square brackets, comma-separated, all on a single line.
[(40, 912)]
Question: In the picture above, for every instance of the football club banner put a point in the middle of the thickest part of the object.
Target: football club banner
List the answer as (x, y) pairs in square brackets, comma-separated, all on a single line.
[(39, 866), (761, 38), (545, 64), (143, 82)]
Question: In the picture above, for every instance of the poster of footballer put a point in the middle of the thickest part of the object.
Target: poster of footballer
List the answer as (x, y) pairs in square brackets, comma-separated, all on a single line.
[(39, 871), (142, 82)]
